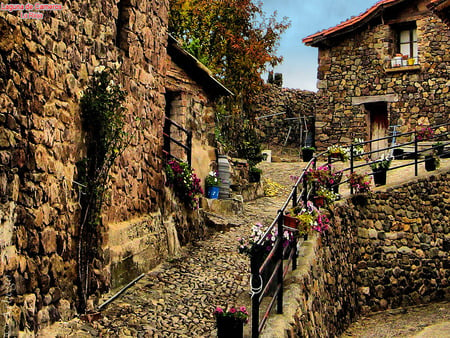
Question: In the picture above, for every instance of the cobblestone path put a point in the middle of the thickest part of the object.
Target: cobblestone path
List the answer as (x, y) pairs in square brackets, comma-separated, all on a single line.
[(178, 297)]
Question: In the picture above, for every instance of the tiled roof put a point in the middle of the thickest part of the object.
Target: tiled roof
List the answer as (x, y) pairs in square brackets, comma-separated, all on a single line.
[(351, 23)]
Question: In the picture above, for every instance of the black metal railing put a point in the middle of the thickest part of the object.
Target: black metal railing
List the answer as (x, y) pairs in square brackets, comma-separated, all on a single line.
[(272, 266), (303, 190), (418, 145), (169, 140)]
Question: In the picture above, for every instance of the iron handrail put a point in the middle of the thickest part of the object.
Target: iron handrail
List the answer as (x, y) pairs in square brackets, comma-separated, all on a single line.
[(305, 195)]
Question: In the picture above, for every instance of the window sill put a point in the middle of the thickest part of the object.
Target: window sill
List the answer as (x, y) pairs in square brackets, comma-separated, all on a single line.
[(403, 69)]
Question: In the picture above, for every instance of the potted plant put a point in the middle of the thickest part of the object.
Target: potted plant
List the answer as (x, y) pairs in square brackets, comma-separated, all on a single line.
[(358, 148), (308, 153), (432, 162), (424, 133), (379, 168), (212, 183), (230, 323), (333, 182), (338, 152), (321, 175), (327, 195), (254, 174), (360, 183), (181, 177)]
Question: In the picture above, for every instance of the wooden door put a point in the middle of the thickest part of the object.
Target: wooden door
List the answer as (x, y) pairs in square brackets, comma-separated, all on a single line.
[(379, 125)]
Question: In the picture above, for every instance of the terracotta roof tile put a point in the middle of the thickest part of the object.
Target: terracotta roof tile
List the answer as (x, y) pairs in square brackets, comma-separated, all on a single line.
[(372, 11)]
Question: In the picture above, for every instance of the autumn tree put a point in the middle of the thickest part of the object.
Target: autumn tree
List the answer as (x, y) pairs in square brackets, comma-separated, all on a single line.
[(235, 40)]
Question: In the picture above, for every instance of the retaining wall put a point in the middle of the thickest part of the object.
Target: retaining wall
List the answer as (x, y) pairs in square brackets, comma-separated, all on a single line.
[(392, 252)]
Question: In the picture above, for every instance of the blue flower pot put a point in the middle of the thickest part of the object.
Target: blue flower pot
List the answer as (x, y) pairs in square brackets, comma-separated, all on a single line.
[(212, 192)]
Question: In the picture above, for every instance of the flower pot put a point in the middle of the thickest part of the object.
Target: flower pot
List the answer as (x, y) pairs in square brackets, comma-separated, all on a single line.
[(430, 163), (319, 201), (212, 192), (228, 327), (307, 154), (254, 176), (379, 177), (337, 156), (290, 221)]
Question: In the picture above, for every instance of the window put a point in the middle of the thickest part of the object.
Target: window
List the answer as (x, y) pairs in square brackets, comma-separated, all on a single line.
[(407, 42)]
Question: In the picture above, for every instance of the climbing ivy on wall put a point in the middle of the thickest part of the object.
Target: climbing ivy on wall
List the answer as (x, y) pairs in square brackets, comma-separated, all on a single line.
[(103, 116)]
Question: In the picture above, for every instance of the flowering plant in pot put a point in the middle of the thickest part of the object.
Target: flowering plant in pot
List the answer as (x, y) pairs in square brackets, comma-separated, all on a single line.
[(358, 148), (184, 181), (321, 175), (250, 247), (424, 133), (306, 217), (308, 153), (339, 152), (230, 323), (379, 168), (212, 182), (432, 162), (328, 195), (361, 184)]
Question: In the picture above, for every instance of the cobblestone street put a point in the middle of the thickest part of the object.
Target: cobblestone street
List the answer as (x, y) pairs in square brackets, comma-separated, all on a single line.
[(177, 299)]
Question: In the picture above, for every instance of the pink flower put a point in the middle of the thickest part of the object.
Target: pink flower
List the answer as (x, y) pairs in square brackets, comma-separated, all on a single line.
[(232, 310), (243, 309), (218, 310)]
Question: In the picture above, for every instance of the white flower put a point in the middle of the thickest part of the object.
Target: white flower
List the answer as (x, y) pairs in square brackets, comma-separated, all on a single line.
[(99, 69)]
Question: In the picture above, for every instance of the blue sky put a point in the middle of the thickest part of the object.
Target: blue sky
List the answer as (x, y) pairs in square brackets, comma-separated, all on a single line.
[(307, 17)]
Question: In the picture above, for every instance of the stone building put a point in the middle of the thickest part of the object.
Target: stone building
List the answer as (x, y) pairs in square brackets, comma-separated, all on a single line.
[(387, 66), (44, 65)]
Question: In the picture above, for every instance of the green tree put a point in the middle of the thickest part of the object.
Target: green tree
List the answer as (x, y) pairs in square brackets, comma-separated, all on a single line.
[(234, 39), (237, 42)]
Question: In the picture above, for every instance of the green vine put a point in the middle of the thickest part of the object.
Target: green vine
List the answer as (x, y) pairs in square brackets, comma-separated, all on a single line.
[(103, 116)]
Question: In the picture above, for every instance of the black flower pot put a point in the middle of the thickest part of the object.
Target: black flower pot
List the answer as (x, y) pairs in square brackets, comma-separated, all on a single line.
[(307, 154), (379, 177), (430, 163), (228, 327), (254, 176)]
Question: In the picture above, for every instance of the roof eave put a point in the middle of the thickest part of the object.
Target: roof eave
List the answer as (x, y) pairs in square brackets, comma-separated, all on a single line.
[(197, 69), (320, 38)]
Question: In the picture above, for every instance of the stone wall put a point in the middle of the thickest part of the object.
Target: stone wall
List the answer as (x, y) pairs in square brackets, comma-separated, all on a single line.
[(44, 66), (393, 252), (403, 245), (292, 103), (355, 69)]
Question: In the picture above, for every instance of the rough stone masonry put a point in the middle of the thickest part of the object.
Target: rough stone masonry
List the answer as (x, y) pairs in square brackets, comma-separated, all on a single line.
[(44, 66)]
